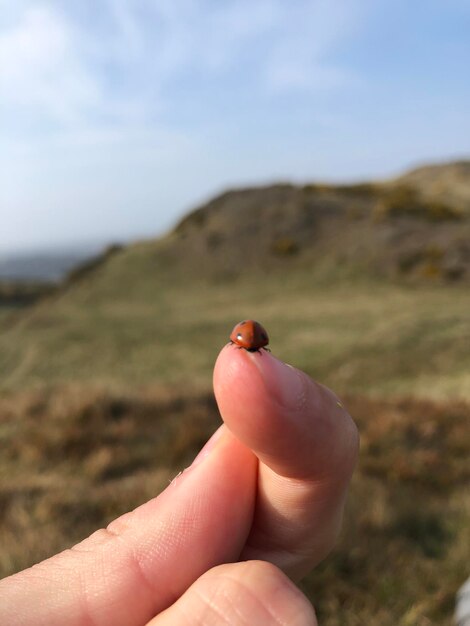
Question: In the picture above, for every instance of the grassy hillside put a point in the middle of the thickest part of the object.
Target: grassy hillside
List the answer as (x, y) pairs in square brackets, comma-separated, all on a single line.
[(355, 336)]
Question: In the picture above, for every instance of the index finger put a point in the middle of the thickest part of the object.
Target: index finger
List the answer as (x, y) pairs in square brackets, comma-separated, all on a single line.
[(307, 446)]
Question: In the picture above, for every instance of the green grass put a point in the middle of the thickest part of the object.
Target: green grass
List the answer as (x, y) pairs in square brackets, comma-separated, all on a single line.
[(8, 315), (359, 336), (5, 313)]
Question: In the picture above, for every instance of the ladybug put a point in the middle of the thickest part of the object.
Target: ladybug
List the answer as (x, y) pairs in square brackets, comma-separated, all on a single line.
[(249, 335)]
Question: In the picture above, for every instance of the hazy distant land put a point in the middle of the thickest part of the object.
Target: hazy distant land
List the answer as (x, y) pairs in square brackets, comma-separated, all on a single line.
[(47, 264)]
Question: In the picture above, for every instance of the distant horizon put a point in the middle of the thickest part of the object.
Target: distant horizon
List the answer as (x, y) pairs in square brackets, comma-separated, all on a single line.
[(97, 244), (66, 246)]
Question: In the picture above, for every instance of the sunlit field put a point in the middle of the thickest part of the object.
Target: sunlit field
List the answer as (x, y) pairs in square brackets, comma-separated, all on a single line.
[(360, 336)]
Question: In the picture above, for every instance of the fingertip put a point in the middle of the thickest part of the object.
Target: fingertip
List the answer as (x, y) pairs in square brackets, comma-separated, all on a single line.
[(241, 394), (294, 424), (253, 376), (250, 592)]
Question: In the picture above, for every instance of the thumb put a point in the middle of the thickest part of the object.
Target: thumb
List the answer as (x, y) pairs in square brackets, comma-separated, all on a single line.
[(236, 594)]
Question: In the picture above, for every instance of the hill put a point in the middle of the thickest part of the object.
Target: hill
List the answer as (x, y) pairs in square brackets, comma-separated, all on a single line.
[(396, 229), (448, 183)]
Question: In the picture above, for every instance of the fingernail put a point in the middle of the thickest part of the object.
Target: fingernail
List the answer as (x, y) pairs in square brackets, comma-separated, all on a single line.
[(209, 446), (284, 382)]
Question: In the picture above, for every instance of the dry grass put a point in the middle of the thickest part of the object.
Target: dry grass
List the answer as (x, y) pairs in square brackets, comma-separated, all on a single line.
[(405, 549), (74, 458), (361, 337)]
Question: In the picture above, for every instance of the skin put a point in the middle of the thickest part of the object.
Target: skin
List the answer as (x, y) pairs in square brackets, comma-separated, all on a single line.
[(260, 506)]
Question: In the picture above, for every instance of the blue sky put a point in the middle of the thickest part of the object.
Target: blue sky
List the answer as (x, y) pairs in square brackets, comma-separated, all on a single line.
[(118, 116)]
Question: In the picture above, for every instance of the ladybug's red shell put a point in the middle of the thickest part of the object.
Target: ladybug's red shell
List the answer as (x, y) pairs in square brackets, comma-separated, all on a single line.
[(249, 335)]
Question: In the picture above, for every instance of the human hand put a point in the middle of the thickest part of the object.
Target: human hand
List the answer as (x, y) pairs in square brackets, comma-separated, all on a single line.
[(268, 488)]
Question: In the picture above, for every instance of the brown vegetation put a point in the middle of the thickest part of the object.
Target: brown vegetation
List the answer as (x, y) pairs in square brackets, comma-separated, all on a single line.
[(74, 458)]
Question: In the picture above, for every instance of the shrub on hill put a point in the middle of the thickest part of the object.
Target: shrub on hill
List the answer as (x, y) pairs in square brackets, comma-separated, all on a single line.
[(404, 201)]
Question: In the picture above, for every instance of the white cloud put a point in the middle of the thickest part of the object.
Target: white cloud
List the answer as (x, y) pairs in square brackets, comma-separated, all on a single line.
[(55, 68), (289, 43), (41, 70)]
